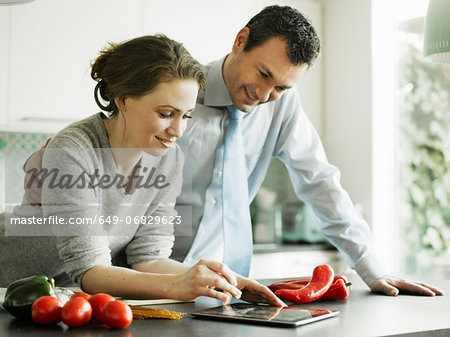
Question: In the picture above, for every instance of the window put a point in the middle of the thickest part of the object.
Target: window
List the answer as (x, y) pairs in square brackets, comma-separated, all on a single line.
[(411, 149), (423, 156)]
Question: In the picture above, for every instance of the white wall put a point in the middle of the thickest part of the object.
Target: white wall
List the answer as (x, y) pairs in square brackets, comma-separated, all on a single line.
[(208, 29), (347, 105), (52, 43), (359, 108)]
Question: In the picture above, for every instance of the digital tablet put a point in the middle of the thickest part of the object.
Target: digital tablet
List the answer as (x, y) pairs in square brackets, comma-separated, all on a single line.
[(265, 314)]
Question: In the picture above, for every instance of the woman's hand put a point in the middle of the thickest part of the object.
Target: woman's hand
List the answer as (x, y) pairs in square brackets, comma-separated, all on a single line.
[(206, 278), (255, 292)]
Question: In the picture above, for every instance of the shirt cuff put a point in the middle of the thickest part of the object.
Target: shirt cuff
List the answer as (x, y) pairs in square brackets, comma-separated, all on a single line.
[(369, 269)]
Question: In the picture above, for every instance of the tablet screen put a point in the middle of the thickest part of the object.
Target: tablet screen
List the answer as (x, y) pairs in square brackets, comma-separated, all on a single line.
[(290, 316)]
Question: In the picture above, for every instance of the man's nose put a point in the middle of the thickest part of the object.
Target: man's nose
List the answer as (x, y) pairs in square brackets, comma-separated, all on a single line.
[(264, 93)]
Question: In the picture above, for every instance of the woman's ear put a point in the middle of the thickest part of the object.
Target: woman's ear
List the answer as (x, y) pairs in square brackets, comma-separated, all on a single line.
[(120, 103), (241, 39)]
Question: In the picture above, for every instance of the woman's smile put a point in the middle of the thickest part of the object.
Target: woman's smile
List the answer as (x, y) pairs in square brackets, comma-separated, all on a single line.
[(167, 143)]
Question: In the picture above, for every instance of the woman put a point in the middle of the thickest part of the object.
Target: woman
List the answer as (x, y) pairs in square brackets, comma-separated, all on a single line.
[(110, 177)]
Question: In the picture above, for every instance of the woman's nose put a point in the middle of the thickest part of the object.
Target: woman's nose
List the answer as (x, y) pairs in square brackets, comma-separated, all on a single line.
[(177, 127)]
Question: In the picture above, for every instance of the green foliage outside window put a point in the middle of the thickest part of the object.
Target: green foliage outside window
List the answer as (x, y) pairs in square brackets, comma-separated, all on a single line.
[(424, 153)]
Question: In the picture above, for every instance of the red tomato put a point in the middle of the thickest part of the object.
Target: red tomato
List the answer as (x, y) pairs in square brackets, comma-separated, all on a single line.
[(76, 312), (98, 302), (46, 310), (118, 314), (81, 294)]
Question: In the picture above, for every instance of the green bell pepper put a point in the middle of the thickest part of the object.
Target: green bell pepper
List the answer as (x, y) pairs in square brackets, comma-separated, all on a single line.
[(21, 294)]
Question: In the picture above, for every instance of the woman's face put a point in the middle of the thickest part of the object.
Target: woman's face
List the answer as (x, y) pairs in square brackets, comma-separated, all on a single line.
[(154, 122)]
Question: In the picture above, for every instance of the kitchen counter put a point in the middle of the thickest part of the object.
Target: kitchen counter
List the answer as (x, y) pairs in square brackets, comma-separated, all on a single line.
[(362, 314)]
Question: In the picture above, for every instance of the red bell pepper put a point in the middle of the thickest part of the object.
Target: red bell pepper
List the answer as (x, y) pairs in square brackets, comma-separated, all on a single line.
[(299, 283), (290, 284), (320, 282), (338, 290)]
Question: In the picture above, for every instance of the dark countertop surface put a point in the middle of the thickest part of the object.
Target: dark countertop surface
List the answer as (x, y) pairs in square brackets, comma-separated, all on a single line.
[(362, 314)]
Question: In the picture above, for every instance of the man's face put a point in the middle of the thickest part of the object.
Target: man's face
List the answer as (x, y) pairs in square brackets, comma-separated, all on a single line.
[(260, 75)]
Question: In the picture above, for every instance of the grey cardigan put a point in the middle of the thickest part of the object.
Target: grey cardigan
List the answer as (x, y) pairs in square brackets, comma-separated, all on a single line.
[(93, 222)]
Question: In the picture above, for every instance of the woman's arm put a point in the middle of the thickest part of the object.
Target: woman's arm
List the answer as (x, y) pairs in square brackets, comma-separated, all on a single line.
[(124, 282), (152, 279), (252, 291), (188, 283)]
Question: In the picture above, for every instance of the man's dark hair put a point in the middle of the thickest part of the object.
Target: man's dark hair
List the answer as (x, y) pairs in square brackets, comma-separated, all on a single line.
[(288, 23)]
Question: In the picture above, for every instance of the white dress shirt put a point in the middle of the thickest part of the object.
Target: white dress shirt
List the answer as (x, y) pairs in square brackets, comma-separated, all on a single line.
[(278, 129)]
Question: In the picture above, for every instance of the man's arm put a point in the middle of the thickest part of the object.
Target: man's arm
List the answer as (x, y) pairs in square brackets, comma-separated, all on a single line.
[(316, 182)]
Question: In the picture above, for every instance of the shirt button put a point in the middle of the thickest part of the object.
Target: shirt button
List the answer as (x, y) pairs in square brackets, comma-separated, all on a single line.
[(213, 201), (219, 173)]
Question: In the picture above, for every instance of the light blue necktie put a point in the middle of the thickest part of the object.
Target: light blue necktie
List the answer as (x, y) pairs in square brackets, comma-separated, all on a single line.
[(238, 243)]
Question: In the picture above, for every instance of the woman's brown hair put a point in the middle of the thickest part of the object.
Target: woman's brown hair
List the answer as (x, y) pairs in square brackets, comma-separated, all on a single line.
[(135, 67)]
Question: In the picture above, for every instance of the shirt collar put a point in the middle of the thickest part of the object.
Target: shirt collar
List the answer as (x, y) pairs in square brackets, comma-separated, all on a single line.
[(216, 92)]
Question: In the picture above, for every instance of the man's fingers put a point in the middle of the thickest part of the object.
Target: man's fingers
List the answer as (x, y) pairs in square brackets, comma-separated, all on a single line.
[(382, 286), (274, 301), (393, 285), (270, 297), (411, 287), (256, 293), (415, 288), (437, 291)]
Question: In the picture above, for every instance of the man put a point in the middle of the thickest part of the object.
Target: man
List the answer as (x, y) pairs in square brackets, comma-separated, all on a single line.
[(268, 56)]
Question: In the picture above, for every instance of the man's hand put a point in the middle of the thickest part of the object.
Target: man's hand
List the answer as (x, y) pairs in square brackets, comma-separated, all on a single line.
[(255, 292), (392, 286)]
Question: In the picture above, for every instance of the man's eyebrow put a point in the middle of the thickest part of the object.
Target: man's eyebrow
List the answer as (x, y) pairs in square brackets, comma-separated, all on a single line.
[(266, 70), (269, 73)]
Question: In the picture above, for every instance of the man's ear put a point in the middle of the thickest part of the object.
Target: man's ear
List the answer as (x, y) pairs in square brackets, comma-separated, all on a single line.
[(241, 39)]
